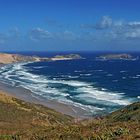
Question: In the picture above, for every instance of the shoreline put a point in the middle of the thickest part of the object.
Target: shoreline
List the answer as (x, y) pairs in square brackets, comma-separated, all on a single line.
[(28, 96)]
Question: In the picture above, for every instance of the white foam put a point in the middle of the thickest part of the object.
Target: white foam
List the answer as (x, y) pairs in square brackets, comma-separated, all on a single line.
[(134, 77), (103, 89), (73, 83), (109, 74), (123, 71), (101, 95), (89, 108), (98, 70), (123, 77), (27, 74), (73, 76), (43, 90), (88, 74), (40, 85), (40, 67), (77, 71)]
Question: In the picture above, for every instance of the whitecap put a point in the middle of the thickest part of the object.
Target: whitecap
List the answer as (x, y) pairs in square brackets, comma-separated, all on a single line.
[(39, 85), (40, 67), (88, 74), (134, 77), (123, 71), (102, 95), (98, 70), (77, 71), (109, 75), (123, 77)]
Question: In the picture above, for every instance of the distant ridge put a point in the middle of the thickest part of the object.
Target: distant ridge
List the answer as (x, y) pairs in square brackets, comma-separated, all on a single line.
[(6, 58), (123, 56)]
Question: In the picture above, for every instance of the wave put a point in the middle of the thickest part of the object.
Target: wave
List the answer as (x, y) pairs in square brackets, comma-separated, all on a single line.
[(123, 71), (87, 74), (134, 77), (124, 77), (68, 91), (115, 80), (93, 93), (98, 70), (110, 75), (40, 67)]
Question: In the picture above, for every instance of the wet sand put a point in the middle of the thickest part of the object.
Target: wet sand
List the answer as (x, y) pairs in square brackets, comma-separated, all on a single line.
[(28, 96)]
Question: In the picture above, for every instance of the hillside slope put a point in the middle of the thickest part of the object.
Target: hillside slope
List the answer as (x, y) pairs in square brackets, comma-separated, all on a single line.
[(21, 120), (6, 58)]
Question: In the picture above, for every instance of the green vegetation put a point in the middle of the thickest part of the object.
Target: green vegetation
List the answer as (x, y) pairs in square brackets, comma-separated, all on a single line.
[(20, 120)]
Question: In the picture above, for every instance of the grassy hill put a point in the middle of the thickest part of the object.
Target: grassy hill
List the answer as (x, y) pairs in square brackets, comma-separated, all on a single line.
[(25, 121)]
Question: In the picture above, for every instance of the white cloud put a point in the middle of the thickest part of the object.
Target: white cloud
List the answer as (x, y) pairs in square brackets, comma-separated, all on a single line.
[(69, 35), (135, 34), (105, 23), (66, 35), (134, 24), (40, 34), (14, 32)]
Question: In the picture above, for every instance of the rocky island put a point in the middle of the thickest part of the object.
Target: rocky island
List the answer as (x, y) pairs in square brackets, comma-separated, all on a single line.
[(67, 57), (123, 56), (6, 58)]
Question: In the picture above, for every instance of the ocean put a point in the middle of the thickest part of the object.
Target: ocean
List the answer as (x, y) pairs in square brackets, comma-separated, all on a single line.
[(96, 86)]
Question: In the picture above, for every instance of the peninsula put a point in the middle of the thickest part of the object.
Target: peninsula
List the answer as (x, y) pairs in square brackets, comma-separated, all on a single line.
[(6, 58)]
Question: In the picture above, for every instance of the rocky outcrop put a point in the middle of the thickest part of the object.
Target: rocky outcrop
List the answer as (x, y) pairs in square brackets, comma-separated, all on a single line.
[(116, 57), (66, 57)]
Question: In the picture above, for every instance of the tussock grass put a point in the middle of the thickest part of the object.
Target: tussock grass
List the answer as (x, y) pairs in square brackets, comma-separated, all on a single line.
[(20, 120)]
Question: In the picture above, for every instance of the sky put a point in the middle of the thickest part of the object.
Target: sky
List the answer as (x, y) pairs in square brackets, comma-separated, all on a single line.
[(69, 25)]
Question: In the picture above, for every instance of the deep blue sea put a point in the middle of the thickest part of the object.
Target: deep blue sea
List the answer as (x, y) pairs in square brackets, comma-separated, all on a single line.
[(93, 85)]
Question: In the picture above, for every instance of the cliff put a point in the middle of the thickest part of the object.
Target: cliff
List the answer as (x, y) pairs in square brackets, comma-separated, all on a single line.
[(6, 58)]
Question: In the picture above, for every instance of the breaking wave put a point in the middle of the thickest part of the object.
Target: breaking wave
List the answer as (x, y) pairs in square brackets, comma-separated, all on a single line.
[(78, 93)]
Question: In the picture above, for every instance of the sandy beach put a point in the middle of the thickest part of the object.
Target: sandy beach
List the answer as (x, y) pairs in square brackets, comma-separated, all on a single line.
[(28, 96)]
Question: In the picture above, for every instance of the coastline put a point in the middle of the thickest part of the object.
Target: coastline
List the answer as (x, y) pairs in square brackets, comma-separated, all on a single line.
[(28, 96)]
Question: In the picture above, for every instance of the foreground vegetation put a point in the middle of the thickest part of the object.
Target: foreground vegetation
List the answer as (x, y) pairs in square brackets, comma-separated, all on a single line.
[(25, 121)]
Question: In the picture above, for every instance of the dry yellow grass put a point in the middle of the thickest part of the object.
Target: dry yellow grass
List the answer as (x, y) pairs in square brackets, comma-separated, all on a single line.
[(6, 58), (20, 120)]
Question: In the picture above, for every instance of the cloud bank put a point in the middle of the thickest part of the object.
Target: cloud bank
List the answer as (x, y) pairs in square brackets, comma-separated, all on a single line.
[(105, 30)]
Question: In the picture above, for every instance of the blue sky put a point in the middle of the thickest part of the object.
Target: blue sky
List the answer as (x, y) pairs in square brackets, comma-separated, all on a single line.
[(63, 25)]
